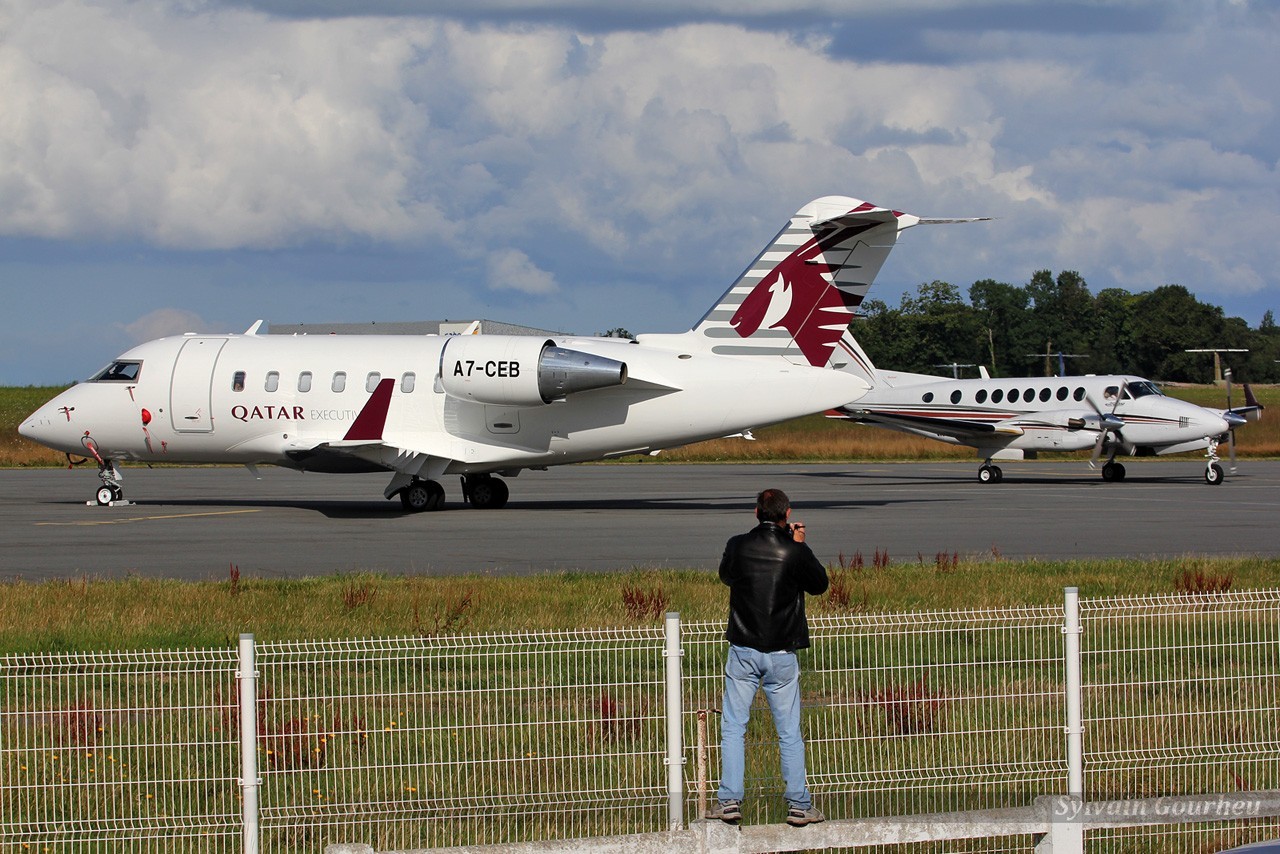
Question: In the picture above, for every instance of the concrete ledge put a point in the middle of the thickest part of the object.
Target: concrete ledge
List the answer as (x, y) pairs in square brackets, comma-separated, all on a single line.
[(1058, 821)]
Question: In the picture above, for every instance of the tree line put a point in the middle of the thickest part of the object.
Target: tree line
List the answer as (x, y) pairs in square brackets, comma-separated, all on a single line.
[(1010, 328)]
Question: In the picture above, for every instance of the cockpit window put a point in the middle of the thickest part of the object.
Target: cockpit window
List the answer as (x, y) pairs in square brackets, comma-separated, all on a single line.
[(1141, 389), (118, 372)]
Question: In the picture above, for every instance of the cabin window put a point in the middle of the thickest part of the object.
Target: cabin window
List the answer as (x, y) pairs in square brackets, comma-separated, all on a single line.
[(340, 381), (407, 382), (955, 396), (1078, 394), (981, 396), (1110, 392), (928, 397), (371, 382), (304, 381), (1063, 391), (1013, 395), (1045, 394), (997, 396), (237, 381), (118, 372), (273, 381)]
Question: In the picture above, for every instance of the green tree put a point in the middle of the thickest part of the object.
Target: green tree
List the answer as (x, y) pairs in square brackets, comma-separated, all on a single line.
[(1111, 349), (1168, 321), (1063, 311), (1001, 310), (943, 328)]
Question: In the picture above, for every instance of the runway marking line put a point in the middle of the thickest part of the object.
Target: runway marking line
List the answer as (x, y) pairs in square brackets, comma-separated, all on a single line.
[(145, 518)]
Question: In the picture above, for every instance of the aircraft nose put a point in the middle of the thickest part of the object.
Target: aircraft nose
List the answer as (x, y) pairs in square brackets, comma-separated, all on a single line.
[(35, 426), (47, 426)]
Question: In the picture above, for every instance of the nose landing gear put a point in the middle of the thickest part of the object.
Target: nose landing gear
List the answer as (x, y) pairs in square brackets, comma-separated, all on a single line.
[(111, 493), (1213, 473)]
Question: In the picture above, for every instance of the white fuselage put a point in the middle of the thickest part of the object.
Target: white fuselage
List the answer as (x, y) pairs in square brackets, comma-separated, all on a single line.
[(1012, 418), (292, 401)]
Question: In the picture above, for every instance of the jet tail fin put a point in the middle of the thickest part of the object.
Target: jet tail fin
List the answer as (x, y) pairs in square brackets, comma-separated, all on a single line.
[(797, 298)]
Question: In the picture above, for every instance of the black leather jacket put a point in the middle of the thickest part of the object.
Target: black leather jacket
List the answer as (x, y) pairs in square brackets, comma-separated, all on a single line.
[(768, 574)]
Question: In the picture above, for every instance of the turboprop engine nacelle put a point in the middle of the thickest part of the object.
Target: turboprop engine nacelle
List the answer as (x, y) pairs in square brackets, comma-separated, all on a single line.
[(519, 370)]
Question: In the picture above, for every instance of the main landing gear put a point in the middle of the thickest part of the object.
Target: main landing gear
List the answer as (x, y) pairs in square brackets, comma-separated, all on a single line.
[(422, 495), (989, 473), (1112, 471), (483, 491)]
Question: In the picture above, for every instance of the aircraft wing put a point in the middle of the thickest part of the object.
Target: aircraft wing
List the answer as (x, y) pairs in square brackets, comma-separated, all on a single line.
[(364, 447), (967, 428)]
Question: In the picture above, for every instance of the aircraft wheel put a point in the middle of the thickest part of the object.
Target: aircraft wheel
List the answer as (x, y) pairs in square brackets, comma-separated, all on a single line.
[(1213, 475), (106, 495), (998, 472), (987, 474), (1109, 472), (422, 495), (489, 493), (1119, 471)]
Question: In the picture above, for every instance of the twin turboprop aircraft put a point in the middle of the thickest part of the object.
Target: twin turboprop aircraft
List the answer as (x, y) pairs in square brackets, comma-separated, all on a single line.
[(1014, 419), (425, 407)]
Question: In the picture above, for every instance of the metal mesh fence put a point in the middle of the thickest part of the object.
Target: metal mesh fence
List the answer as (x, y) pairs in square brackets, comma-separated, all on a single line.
[(445, 741), (908, 713), (1182, 696), (119, 751), (423, 742)]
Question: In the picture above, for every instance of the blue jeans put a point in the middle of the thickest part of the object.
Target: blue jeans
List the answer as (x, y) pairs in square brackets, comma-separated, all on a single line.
[(745, 671)]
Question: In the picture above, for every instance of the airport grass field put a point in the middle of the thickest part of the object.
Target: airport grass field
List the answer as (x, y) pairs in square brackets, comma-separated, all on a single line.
[(84, 613)]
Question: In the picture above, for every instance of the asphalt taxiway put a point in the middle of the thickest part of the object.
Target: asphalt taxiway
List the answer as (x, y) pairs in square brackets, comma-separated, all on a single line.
[(194, 523)]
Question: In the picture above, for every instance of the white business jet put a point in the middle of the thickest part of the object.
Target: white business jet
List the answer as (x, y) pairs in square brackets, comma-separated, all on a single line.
[(1015, 418), (424, 407)]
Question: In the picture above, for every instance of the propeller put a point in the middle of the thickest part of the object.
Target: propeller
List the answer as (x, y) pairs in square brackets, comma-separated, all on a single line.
[(1108, 422)]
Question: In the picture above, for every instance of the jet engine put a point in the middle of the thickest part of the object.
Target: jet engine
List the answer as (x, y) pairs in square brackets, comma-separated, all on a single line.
[(520, 370)]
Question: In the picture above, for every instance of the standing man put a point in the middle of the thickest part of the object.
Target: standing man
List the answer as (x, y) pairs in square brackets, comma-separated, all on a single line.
[(768, 570)]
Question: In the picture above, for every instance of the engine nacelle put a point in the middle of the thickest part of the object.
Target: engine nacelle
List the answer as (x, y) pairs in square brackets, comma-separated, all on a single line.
[(520, 370)]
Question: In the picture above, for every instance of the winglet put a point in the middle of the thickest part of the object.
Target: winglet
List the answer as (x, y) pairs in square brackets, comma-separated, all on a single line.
[(253, 330), (369, 423)]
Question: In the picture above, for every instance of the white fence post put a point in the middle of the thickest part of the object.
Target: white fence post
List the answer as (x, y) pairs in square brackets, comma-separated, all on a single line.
[(247, 676), (1067, 835), (675, 723)]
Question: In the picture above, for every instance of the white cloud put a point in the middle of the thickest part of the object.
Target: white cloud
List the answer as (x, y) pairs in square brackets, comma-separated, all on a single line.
[(163, 322), (672, 152), (511, 269)]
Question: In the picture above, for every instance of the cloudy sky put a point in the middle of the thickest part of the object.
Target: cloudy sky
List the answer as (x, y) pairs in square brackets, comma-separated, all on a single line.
[(195, 165)]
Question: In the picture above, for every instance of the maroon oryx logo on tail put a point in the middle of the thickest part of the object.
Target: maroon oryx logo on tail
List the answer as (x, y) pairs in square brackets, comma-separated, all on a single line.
[(799, 295)]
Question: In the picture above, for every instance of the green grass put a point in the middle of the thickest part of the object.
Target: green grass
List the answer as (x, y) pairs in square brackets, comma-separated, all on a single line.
[(86, 614)]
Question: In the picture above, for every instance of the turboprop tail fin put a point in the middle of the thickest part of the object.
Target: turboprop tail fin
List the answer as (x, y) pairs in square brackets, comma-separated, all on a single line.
[(797, 298)]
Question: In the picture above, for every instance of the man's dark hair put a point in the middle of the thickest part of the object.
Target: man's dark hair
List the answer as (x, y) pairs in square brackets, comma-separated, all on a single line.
[(772, 506)]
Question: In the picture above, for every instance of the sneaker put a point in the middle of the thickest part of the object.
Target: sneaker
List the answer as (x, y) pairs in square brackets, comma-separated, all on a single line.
[(727, 811), (799, 817)]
